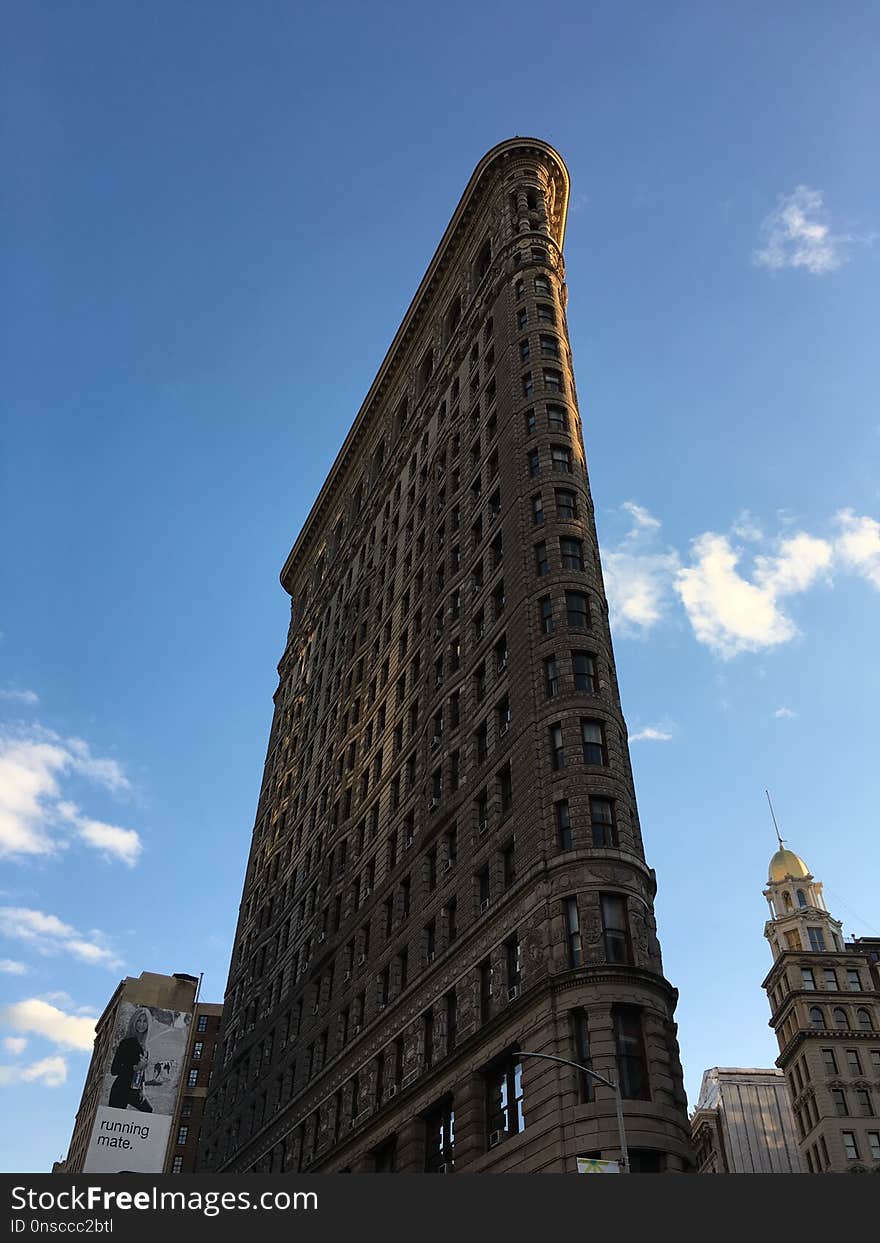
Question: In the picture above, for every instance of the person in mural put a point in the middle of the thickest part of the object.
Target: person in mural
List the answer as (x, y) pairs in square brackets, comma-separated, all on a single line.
[(129, 1062)]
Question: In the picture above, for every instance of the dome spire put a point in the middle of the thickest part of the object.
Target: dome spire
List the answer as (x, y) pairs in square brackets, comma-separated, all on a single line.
[(775, 825)]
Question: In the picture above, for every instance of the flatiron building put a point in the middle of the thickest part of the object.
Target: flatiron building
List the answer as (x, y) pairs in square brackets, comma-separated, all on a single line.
[(446, 870)]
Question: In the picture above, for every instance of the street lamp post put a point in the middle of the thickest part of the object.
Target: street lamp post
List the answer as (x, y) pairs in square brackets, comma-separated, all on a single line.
[(615, 1088)]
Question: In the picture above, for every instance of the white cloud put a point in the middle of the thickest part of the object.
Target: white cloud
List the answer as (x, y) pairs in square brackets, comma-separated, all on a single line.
[(796, 234), (50, 935), (115, 843), (15, 1044), (39, 1018), (858, 545), (642, 517), (32, 764), (9, 966), (21, 697), (785, 714), (51, 1072), (651, 733), (638, 576), (729, 613)]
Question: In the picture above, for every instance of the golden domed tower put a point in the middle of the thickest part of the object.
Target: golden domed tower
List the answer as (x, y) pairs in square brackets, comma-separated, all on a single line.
[(825, 1010)]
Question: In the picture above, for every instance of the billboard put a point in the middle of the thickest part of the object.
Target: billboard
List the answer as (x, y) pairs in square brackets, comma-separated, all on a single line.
[(589, 1165), (138, 1092)]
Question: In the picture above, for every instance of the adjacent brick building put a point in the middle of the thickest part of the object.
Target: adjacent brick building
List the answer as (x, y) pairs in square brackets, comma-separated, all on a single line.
[(447, 865), (184, 1085), (824, 996)]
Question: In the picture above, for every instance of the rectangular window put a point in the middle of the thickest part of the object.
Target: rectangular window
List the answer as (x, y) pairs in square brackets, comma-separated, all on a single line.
[(593, 736), (197, 1049), (182, 1134), (563, 824), (202, 1025), (566, 505), (580, 1041), (528, 384), (537, 511), (551, 677), (485, 972), (504, 1100), (177, 1165), (557, 418), (542, 561), (440, 1139), (584, 671), (572, 553), (615, 928), (874, 1145), (560, 459), (524, 351), (546, 314), (192, 1079), (838, 1098), (829, 1061), (553, 380), (853, 981), (817, 938), (534, 464), (573, 932), (557, 750), (529, 419), (451, 1020), (577, 610), (549, 345), (602, 822), (545, 615), (850, 1147), (853, 1062), (808, 980), (632, 1069), (513, 963), (863, 1102)]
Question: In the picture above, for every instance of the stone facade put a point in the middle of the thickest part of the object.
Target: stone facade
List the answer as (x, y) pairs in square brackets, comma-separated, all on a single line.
[(446, 867), (825, 1010)]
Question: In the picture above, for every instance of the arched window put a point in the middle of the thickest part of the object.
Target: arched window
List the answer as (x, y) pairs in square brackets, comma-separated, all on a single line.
[(864, 1020), (840, 1019), (801, 897), (817, 1018)]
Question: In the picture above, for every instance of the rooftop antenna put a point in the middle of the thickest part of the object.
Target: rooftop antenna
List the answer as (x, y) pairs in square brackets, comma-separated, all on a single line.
[(775, 825)]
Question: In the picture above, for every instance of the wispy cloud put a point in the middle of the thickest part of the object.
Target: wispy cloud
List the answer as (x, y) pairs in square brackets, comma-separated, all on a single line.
[(638, 574), (15, 1045), (797, 234), (35, 819), (9, 966), (49, 935), (858, 545), (785, 714), (21, 697), (651, 733), (50, 1072), (36, 1017)]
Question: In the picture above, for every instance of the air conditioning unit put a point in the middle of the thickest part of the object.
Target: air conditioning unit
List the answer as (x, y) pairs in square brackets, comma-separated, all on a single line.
[(392, 1091), (503, 728), (513, 992), (495, 1138), (484, 905)]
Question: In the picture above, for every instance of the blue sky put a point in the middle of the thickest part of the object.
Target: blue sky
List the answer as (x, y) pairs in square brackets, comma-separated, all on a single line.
[(216, 215)]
